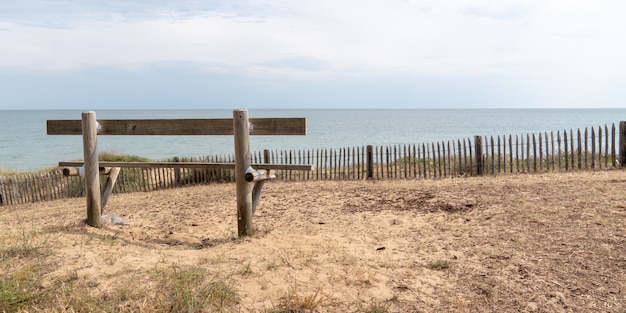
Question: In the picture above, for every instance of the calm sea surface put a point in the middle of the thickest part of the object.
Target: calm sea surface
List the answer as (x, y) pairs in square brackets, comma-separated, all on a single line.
[(24, 144)]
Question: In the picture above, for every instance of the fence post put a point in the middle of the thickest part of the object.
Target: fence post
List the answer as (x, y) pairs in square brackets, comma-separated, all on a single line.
[(241, 127), (177, 180), (478, 147), (370, 162), (92, 172), (622, 143)]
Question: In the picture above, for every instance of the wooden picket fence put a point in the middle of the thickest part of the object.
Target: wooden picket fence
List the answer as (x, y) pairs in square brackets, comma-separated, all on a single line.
[(591, 148), (587, 149), (34, 187)]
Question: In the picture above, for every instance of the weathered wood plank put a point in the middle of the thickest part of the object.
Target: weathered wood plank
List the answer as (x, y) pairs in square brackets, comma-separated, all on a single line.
[(181, 127), (510, 154), (613, 149), (295, 167), (600, 146), (622, 144), (479, 154)]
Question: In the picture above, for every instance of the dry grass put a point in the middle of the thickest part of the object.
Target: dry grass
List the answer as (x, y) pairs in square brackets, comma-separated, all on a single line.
[(530, 243)]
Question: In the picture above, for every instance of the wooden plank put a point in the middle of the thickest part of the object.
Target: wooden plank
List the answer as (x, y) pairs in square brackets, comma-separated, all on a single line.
[(478, 148), (565, 142), (540, 152), (622, 144), (613, 149), (493, 156), (500, 156), (552, 148), (573, 153), (580, 148), (586, 148), (294, 167), (526, 160), (3, 199), (547, 161), (606, 146), (593, 147), (434, 160), (510, 154), (424, 159), (449, 158), (534, 153), (517, 153), (600, 146), (181, 127)]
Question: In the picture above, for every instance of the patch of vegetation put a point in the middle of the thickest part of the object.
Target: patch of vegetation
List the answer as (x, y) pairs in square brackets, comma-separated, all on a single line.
[(5, 171), (296, 301), (73, 293), (377, 307), (8, 171), (246, 270), (19, 288), (29, 243), (190, 290), (111, 156), (439, 264)]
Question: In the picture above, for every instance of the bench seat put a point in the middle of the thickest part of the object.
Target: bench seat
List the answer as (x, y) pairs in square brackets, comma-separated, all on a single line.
[(293, 167)]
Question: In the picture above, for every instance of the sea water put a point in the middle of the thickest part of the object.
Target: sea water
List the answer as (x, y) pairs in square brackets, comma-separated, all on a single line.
[(24, 144)]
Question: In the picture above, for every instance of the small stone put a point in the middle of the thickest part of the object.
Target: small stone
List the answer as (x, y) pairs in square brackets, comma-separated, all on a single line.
[(114, 219)]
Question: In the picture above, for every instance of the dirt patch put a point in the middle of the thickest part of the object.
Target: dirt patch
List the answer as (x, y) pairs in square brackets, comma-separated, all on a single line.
[(374, 200), (529, 243)]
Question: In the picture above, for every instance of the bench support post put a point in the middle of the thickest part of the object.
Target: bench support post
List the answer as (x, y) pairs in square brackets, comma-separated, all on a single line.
[(108, 186), (92, 175), (241, 127), (258, 186)]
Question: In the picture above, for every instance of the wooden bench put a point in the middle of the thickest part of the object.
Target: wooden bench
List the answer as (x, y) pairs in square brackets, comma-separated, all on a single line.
[(249, 177)]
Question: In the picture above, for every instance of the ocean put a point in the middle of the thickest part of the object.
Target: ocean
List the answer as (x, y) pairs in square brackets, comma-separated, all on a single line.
[(25, 146)]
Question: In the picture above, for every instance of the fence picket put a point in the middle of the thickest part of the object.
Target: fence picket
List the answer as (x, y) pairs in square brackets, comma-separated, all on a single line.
[(613, 140), (540, 152), (534, 154), (579, 152)]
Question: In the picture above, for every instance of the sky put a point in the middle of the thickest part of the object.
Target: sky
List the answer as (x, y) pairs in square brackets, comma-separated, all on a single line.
[(288, 54)]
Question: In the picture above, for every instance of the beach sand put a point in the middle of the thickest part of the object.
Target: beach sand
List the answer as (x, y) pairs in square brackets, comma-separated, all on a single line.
[(517, 243)]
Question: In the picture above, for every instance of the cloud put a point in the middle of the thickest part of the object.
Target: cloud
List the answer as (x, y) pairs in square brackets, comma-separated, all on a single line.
[(518, 47), (503, 11)]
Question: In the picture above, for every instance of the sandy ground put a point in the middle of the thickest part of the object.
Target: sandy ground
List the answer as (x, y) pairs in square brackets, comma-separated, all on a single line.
[(519, 243)]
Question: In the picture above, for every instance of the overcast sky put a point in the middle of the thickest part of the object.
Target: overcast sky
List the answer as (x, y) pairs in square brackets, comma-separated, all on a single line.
[(135, 54)]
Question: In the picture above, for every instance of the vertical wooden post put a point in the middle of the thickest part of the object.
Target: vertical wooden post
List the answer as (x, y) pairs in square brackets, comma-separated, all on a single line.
[(370, 162), (241, 128), (92, 170), (622, 143), (1, 192), (177, 180), (478, 148)]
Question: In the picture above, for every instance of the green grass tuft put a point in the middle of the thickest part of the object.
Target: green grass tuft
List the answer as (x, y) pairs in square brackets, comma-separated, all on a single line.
[(439, 264), (19, 288), (111, 156), (190, 290)]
